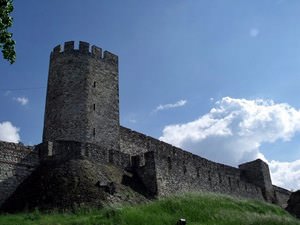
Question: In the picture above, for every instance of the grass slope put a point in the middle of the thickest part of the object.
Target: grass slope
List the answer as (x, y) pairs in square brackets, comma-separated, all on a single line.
[(200, 209)]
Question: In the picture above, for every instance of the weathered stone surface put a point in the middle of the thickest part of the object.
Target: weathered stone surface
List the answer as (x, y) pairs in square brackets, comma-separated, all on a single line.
[(175, 170), (64, 150), (281, 196), (258, 173), (82, 101), (72, 183), (17, 162), (294, 204)]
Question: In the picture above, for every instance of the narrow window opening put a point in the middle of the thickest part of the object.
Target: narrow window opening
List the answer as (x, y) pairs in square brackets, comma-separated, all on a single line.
[(169, 163), (220, 178), (94, 85), (184, 169), (94, 132), (94, 107), (198, 172)]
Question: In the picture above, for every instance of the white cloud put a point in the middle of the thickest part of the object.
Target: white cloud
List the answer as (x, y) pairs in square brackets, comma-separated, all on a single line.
[(22, 100), (9, 132), (233, 131), (254, 32), (179, 103), (132, 120), (285, 174)]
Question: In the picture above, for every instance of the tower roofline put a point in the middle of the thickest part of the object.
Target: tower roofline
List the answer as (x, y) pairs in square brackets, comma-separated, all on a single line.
[(85, 49)]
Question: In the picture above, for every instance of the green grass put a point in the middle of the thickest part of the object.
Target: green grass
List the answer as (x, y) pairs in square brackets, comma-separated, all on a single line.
[(200, 209)]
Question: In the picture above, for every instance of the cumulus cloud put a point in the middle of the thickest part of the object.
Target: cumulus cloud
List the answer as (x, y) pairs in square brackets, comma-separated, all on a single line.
[(285, 174), (179, 103), (233, 131), (9, 132), (22, 100), (254, 32)]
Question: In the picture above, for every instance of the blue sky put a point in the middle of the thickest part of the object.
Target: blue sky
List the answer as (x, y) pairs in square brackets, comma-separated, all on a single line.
[(201, 66)]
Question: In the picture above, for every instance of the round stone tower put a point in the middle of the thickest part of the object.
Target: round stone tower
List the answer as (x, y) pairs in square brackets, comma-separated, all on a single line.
[(82, 101)]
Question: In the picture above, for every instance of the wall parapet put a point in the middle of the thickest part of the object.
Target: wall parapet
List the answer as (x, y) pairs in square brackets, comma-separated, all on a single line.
[(17, 162), (17, 153), (15, 146), (85, 49), (65, 150), (282, 196), (281, 190)]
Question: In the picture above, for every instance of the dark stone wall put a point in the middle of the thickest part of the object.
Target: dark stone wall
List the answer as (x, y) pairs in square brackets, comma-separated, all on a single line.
[(163, 169), (132, 142), (293, 206), (282, 196), (258, 172), (177, 170), (82, 101), (180, 171), (144, 166), (17, 162), (65, 150)]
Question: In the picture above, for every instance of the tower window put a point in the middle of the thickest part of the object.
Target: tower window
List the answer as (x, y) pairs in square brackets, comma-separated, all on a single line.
[(184, 169), (220, 177), (94, 107), (94, 132), (169, 163), (94, 85), (209, 177)]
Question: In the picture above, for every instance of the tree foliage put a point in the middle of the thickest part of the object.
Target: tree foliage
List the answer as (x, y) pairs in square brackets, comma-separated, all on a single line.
[(6, 42)]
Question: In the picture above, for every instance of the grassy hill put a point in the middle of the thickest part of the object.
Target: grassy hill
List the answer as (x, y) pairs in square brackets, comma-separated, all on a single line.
[(200, 209)]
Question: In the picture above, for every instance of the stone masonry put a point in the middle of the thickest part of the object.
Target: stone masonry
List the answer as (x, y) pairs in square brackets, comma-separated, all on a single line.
[(82, 122), (16, 163), (82, 101)]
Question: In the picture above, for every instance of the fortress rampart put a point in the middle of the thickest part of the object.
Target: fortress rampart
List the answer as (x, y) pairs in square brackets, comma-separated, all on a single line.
[(17, 162), (82, 122), (177, 170), (162, 168)]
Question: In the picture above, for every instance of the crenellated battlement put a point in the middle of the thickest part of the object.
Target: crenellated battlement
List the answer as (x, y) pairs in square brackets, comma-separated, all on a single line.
[(86, 49), (83, 84)]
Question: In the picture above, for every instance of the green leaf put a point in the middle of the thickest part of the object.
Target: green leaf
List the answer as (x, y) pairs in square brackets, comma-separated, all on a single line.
[(6, 42)]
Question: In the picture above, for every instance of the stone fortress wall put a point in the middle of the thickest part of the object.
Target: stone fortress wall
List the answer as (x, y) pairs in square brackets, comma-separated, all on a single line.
[(82, 122), (177, 170), (163, 168), (16, 163)]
